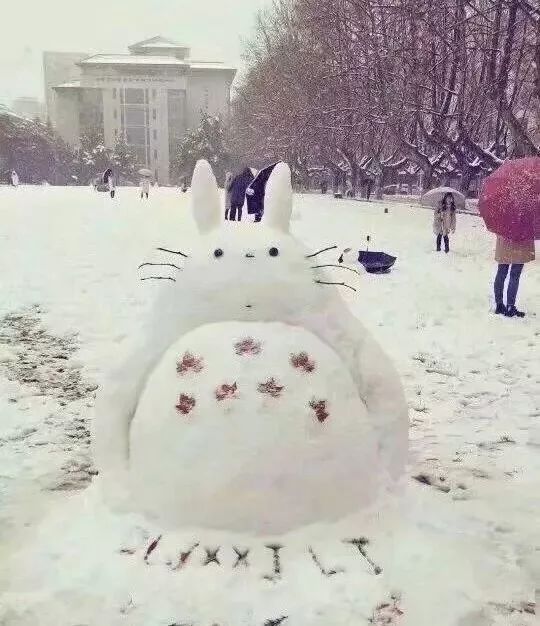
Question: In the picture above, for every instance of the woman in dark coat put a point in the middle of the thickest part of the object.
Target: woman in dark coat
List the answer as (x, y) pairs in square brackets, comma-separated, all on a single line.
[(256, 190), (237, 191)]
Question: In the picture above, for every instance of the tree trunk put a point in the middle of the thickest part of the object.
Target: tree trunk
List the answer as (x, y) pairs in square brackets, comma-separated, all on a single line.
[(467, 175), (336, 179), (379, 185), (427, 178), (354, 178)]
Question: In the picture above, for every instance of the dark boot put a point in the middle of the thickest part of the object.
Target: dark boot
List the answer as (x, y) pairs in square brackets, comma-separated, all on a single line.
[(439, 240), (511, 311), (446, 244), (500, 309)]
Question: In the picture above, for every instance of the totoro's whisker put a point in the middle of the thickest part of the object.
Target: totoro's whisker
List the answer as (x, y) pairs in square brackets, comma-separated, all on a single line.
[(340, 267), (325, 282), (310, 256), (159, 278), (160, 265), (179, 252)]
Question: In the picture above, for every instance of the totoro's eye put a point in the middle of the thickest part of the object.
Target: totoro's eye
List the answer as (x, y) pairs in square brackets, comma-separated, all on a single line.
[(218, 252), (273, 252)]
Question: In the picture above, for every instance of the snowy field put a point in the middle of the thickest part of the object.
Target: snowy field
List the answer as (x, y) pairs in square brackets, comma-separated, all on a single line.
[(70, 299)]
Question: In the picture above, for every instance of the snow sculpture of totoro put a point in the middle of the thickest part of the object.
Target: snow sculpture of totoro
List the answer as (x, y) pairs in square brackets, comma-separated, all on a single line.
[(255, 401)]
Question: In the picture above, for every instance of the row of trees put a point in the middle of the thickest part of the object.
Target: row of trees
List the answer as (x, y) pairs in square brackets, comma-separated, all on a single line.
[(38, 154), (210, 141), (363, 88), (93, 157), (32, 149)]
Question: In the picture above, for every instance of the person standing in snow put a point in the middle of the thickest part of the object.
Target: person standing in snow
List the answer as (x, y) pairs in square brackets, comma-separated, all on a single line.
[(256, 191), (110, 184), (238, 188), (444, 221), (511, 256), (227, 189), (145, 187), (14, 178)]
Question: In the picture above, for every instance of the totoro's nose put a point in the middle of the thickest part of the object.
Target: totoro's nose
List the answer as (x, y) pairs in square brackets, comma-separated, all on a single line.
[(249, 255)]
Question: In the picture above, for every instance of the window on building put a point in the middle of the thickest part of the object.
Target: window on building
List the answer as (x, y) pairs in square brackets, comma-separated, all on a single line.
[(114, 93), (136, 136), (135, 117), (155, 134), (115, 114), (155, 155), (153, 94), (140, 151), (154, 114), (134, 96), (176, 116), (116, 133)]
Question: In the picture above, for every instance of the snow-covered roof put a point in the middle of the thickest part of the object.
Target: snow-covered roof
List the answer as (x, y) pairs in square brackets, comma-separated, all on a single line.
[(138, 59), (210, 65), (160, 44), (72, 85), (131, 59), (157, 42)]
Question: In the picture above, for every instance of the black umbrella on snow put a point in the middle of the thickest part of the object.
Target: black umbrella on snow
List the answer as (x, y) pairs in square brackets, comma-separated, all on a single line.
[(373, 262), (256, 190)]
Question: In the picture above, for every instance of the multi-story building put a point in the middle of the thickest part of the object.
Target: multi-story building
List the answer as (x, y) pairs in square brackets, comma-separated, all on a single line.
[(150, 97), (28, 107)]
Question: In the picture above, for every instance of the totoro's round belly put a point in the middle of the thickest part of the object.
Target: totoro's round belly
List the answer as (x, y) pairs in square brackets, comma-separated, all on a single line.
[(251, 427)]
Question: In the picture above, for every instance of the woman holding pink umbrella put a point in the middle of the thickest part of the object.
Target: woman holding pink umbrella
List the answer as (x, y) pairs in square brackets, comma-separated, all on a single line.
[(510, 206)]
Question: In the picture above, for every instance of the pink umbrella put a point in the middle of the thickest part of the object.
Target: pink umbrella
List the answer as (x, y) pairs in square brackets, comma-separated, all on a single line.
[(510, 200)]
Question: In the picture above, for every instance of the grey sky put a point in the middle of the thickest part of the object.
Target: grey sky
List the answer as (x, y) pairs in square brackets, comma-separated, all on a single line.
[(213, 29)]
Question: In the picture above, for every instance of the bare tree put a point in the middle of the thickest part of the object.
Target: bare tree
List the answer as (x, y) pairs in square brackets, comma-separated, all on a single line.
[(364, 88)]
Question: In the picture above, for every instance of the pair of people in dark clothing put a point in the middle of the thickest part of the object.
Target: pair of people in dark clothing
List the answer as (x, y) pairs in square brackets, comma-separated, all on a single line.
[(246, 186)]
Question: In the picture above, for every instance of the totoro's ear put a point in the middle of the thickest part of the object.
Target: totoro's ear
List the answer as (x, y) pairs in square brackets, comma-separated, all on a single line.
[(205, 197), (278, 198)]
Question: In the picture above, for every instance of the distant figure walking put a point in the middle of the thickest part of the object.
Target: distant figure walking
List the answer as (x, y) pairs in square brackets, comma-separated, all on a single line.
[(227, 189), (112, 188), (238, 189), (14, 178), (145, 187), (444, 221), (511, 256), (108, 179)]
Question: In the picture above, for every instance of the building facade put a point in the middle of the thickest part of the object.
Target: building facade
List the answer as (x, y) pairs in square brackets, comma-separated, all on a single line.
[(149, 98), (30, 108)]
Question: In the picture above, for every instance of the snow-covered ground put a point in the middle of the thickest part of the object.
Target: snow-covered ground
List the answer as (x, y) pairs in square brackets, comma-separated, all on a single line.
[(469, 536)]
